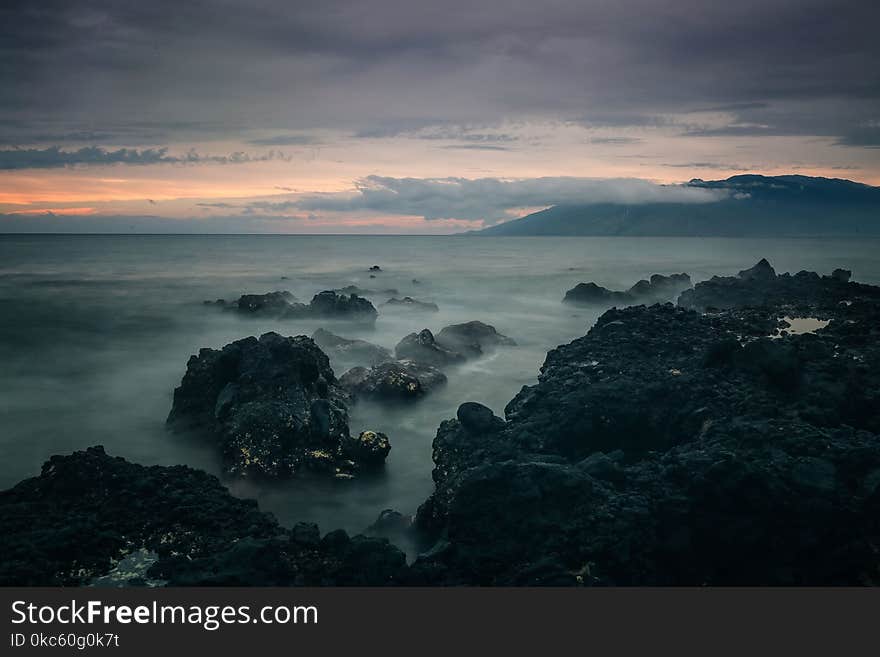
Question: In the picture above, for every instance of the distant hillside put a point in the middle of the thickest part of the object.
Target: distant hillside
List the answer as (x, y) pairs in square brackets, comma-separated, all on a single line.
[(755, 206)]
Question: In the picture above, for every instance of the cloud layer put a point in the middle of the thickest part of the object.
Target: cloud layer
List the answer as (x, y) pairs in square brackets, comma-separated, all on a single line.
[(160, 71), (489, 199)]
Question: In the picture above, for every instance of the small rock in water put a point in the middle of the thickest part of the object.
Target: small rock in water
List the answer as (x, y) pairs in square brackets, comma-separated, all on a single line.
[(369, 448), (413, 304)]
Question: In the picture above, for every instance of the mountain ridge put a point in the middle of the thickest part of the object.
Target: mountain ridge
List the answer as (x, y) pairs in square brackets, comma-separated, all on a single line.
[(754, 206)]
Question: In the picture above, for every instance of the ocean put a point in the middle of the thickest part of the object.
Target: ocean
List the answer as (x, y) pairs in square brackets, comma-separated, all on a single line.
[(95, 333)]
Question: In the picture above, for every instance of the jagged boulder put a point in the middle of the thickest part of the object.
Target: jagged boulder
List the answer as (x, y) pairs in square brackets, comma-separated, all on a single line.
[(272, 405)]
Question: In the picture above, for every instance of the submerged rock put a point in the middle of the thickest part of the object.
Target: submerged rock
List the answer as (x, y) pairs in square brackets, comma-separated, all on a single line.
[(412, 304), (270, 304), (658, 289), (350, 352), (670, 447), (87, 511), (393, 381), (272, 405), (423, 348), (338, 306), (472, 339), (283, 305), (454, 344)]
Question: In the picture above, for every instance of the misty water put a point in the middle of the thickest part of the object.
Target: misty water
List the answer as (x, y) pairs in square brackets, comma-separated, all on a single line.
[(95, 333)]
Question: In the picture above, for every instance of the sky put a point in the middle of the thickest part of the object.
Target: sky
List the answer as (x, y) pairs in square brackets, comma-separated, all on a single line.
[(396, 116)]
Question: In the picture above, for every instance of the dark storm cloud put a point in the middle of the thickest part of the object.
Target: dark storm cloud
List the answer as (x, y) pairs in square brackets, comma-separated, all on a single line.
[(359, 64), (54, 157)]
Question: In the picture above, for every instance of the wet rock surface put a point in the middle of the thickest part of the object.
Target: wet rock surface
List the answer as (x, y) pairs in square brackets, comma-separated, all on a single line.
[(422, 347), (348, 353), (672, 447), (394, 381), (452, 345), (88, 511), (272, 405), (472, 339), (328, 304), (659, 288), (270, 304)]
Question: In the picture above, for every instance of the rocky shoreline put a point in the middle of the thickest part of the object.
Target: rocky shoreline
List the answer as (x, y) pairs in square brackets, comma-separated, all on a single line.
[(703, 443)]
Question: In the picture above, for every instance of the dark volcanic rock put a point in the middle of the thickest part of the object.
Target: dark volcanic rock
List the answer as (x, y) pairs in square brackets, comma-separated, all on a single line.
[(669, 447), (659, 288), (393, 381), (454, 344), (423, 348), (337, 306), (762, 271), (472, 339), (412, 304), (761, 286), (350, 352), (283, 305), (87, 511), (370, 447), (842, 275), (272, 405), (271, 303), (590, 293)]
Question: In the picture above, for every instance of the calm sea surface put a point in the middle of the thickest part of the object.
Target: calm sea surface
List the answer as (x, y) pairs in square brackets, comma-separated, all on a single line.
[(95, 332)]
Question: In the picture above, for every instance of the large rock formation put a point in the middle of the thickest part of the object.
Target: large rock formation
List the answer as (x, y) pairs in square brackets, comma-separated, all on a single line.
[(88, 513), (660, 288), (670, 447), (272, 405), (761, 286)]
